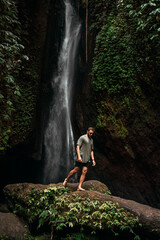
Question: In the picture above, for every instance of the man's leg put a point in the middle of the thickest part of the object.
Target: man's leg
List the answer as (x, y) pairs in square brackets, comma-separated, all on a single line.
[(83, 175), (71, 173)]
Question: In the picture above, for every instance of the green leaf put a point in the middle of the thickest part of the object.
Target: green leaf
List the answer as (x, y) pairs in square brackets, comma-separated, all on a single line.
[(17, 93), (9, 79), (137, 237), (2, 60), (7, 117), (44, 214), (9, 103), (70, 224), (26, 57)]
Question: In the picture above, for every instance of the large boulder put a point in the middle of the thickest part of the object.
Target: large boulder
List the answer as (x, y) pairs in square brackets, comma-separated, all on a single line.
[(17, 194), (93, 185), (148, 216), (12, 228)]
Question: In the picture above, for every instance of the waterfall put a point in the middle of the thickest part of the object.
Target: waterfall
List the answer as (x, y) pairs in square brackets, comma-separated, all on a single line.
[(58, 137)]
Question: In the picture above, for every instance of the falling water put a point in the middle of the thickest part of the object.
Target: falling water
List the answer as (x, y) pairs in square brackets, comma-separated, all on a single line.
[(58, 139)]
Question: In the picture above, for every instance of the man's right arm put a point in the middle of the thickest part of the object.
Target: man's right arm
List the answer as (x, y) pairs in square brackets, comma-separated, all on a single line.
[(78, 153)]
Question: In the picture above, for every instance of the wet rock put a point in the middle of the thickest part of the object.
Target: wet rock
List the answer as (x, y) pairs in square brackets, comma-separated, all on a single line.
[(12, 228)]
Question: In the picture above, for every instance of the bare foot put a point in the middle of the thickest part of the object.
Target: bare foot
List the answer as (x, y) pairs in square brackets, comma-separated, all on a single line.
[(80, 189), (65, 182)]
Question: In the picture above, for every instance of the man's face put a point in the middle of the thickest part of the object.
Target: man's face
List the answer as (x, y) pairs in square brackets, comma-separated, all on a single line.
[(90, 133)]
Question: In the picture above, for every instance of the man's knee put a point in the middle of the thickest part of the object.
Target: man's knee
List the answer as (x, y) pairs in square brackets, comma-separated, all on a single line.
[(84, 171), (76, 169)]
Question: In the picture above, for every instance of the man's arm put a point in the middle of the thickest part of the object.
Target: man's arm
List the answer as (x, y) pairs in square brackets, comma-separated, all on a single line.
[(78, 153), (92, 157)]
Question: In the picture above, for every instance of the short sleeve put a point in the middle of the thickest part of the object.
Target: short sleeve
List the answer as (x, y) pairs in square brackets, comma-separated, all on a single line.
[(80, 140)]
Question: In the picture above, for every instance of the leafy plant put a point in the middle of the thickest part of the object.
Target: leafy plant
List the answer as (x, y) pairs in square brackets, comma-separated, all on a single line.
[(19, 74), (126, 58), (56, 208), (147, 18), (11, 59)]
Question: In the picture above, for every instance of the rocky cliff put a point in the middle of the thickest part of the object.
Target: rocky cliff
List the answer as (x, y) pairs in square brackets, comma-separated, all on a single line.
[(119, 96)]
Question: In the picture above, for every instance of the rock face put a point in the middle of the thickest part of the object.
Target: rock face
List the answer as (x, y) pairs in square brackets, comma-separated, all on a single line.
[(11, 227), (131, 174), (129, 164), (148, 216)]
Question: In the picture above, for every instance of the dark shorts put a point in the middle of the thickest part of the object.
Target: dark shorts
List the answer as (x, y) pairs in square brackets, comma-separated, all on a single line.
[(80, 164)]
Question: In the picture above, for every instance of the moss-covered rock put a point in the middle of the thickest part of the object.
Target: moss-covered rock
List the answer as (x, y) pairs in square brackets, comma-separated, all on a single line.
[(60, 208)]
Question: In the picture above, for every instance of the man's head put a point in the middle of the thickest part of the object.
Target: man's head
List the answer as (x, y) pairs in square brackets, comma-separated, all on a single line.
[(90, 132)]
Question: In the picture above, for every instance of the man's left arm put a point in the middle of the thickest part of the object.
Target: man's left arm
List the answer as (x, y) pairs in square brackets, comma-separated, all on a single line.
[(92, 157)]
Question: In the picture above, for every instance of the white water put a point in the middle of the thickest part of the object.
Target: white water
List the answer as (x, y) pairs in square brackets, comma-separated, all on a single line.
[(58, 139)]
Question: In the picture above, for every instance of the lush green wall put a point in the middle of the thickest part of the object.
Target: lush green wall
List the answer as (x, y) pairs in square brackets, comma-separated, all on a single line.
[(23, 31), (120, 96), (125, 70)]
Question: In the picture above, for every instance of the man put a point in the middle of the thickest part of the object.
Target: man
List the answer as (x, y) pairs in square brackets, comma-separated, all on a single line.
[(85, 151)]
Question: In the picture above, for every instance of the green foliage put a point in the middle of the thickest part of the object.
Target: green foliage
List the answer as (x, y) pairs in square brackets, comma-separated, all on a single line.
[(147, 18), (25, 107), (19, 75), (114, 66), (4, 237), (55, 207), (78, 236), (126, 58), (107, 117), (38, 202), (11, 60)]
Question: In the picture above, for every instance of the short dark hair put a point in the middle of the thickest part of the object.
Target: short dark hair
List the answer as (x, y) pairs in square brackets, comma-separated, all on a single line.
[(91, 128)]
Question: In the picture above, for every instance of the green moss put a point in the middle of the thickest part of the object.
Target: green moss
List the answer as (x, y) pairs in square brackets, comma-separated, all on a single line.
[(109, 117)]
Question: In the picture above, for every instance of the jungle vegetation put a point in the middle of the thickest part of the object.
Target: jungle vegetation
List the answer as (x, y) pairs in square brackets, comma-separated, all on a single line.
[(125, 64)]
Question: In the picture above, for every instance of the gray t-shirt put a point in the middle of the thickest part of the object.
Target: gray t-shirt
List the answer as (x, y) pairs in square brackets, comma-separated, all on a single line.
[(86, 145)]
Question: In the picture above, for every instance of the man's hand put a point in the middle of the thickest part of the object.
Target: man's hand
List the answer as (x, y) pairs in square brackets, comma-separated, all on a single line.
[(93, 163), (80, 159)]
